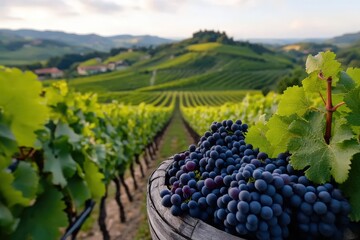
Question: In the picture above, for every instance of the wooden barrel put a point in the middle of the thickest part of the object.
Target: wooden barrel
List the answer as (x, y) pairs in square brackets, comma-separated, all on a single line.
[(165, 226)]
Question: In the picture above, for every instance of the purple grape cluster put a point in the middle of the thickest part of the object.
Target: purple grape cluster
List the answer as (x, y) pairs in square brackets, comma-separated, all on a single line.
[(229, 184)]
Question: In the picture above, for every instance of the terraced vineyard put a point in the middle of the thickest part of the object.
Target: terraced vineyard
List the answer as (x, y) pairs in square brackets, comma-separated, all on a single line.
[(186, 98), (193, 67)]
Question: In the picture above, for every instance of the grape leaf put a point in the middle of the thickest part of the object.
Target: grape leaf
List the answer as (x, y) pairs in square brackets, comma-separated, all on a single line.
[(324, 62), (26, 180), (7, 143), (94, 179), (6, 218), (352, 100), (293, 101), (345, 83), (256, 136), (354, 73), (79, 191), (309, 149), (278, 134), (8, 193), (43, 220), (351, 189), (21, 102), (60, 163), (63, 129)]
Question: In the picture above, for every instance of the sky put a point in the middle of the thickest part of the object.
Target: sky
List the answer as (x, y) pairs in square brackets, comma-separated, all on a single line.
[(241, 19)]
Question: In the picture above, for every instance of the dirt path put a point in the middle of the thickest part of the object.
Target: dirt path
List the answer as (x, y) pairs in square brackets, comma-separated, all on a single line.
[(175, 139)]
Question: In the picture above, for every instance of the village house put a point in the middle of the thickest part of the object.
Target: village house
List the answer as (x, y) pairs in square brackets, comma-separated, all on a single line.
[(89, 70), (111, 66), (46, 73)]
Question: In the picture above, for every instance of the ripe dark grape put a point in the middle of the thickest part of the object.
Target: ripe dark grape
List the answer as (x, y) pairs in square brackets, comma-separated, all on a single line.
[(227, 182)]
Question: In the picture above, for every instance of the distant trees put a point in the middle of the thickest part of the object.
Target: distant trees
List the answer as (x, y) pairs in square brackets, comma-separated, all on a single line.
[(211, 36), (294, 78)]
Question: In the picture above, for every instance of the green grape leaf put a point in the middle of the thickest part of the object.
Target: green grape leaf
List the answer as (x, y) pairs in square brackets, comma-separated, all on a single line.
[(278, 134), (60, 162), (354, 73), (9, 193), (26, 180), (345, 83), (21, 102), (6, 218), (324, 62), (94, 179), (351, 189), (79, 191), (63, 129), (43, 220), (352, 100), (309, 149), (312, 84), (256, 136), (8, 144), (293, 101)]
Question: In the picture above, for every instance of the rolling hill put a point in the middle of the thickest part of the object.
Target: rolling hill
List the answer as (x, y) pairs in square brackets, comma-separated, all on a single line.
[(92, 41), (345, 39), (17, 51), (194, 64)]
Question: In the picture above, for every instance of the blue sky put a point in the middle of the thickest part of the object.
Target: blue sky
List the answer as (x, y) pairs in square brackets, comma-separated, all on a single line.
[(241, 19)]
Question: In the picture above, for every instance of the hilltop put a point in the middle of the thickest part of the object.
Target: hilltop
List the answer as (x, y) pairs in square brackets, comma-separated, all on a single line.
[(208, 60)]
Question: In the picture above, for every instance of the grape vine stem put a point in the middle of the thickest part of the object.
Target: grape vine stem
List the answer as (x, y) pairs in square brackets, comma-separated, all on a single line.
[(329, 107)]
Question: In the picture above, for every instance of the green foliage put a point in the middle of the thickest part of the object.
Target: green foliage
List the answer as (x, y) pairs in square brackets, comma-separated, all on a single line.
[(294, 78), (78, 151), (19, 101)]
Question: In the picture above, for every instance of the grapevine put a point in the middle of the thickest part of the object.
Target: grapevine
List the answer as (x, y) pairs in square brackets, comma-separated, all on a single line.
[(67, 149), (293, 174)]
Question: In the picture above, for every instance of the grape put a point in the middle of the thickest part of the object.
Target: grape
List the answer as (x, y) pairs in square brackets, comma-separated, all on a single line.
[(320, 208), (243, 207), (266, 200), (227, 182), (221, 214), (185, 178), (209, 183), (324, 196), (244, 196), (310, 197), (234, 193), (164, 192), (266, 213), (166, 201), (232, 206), (184, 207), (260, 185), (176, 199), (255, 207), (202, 203), (175, 210), (190, 166), (241, 229), (231, 219), (211, 199)]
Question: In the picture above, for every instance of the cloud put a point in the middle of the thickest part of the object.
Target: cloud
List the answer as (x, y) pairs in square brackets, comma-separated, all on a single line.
[(9, 10), (164, 5), (103, 7)]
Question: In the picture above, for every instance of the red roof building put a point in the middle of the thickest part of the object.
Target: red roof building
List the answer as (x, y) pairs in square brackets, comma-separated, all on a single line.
[(45, 73)]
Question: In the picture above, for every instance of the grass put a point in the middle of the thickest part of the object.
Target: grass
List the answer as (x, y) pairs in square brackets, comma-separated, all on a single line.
[(130, 56), (90, 62), (174, 141)]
